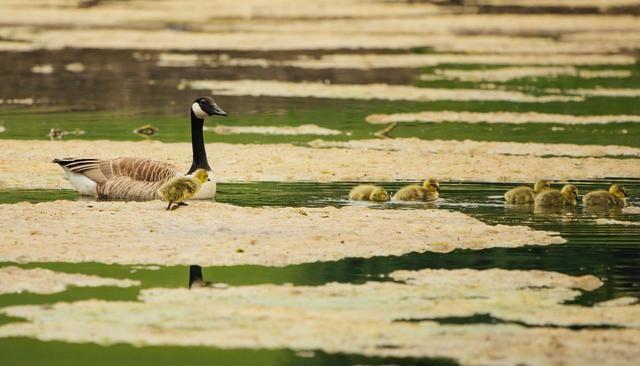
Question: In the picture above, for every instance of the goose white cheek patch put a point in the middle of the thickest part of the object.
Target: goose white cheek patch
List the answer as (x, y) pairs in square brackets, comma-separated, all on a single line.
[(195, 107)]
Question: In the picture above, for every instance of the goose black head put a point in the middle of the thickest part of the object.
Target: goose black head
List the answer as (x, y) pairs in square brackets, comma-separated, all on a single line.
[(205, 106)]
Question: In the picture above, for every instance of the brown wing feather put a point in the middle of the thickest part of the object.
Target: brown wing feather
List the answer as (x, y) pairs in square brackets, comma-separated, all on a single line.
[(137, 169), (122, 178), (125, 188)]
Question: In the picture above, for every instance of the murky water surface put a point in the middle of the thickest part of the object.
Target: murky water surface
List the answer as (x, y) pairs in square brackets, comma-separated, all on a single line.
[(119, 91), (609, 252), (122, 90)]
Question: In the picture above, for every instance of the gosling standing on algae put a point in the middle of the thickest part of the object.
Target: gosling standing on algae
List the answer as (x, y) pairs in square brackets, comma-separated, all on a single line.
[(180, 189)]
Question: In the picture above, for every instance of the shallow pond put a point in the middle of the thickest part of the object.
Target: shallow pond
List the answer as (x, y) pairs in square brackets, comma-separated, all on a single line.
[(609, 252), (119, 91)]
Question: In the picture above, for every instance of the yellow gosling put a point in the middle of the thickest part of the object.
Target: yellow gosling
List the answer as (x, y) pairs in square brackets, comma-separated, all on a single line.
[(367, 192), (525, 195), (429, 191), (554, 198), (616, 196), (180, 189)]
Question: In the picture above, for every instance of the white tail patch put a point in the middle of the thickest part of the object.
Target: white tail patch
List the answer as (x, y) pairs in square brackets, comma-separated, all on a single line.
[(82, 183)]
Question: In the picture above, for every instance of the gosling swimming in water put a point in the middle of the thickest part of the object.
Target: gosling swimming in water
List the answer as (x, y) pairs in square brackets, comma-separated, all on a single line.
[(524, 195), (429, 191), (616, 196), (567, 196), (366, 192), (180, 189)]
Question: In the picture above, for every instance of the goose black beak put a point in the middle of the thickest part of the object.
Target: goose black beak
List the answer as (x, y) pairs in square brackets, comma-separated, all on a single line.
[(213, 109), (218, 111)]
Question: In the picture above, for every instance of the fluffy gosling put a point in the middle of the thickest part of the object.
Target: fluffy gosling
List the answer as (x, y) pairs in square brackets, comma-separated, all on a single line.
[(616, 196), (180, 189), (525, 195), (429, 191), (567, 196), (366, 192)]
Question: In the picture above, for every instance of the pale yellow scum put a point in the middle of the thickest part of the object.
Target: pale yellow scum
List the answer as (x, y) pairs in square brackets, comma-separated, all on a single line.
[(499, 117), (58, 232), (377, 61), (398, 318), (363, 91), (362, 161), (15, 280), (511, 73)]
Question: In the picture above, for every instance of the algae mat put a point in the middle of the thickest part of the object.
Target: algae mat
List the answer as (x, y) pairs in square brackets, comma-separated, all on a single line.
[(15, 280), (414, 316), (406, 159), (210, 233)]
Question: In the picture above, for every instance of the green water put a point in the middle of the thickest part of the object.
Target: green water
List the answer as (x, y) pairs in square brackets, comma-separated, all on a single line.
[(609, 252), (118, 93)]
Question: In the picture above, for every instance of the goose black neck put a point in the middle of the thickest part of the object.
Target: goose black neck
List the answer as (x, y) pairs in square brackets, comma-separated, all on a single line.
[(197, 144)]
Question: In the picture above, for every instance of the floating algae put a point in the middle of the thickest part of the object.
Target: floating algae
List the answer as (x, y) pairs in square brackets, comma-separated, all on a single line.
[(308, 129), (364, 91), (381, 61), (498, 117), (57, 231), (406, 318), (374, 61), (366, 161), (512, 73), (421, 147), (15, 280), (602, 221)]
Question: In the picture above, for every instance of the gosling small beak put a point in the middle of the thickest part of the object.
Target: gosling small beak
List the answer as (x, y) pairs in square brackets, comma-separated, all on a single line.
[(437, 189), (625, 194)]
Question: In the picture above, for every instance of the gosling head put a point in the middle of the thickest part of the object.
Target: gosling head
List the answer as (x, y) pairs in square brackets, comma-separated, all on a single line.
[(570, 191), (201, 175), (618, 191), (432, 185), (204, 107), (541, 185), (379, 195)]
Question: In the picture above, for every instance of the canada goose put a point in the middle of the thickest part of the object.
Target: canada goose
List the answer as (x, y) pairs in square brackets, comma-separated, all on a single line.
[(429, 191), (616, 196), (181, 188), (365, 192), (146, 131), (524, 194), (553, 198), (138, 178)]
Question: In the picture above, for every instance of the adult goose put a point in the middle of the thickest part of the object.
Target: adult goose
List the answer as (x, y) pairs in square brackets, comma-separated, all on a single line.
[(138, 178)]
